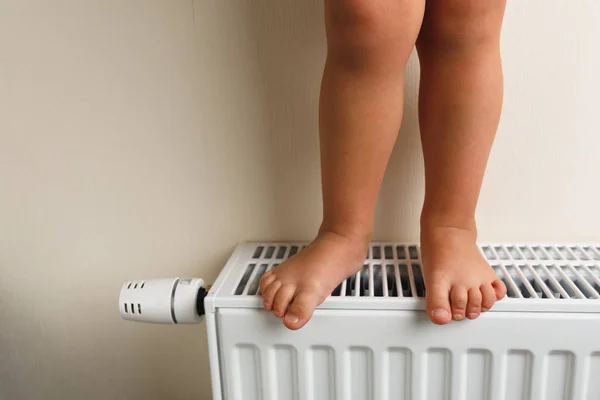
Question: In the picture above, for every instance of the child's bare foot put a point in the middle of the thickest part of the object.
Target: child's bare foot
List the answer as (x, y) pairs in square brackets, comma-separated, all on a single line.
[(305, 280), (460, 283)]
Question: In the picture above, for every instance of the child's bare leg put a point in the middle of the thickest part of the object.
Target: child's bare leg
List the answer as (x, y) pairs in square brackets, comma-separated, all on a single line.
[(369, 42), (460, 103)]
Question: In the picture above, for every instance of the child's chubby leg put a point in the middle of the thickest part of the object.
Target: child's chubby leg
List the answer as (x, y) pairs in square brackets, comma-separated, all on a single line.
[(459, 105), (369, 43)]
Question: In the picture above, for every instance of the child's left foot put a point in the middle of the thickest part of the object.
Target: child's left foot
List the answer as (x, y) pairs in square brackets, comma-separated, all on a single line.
[(460, 283)]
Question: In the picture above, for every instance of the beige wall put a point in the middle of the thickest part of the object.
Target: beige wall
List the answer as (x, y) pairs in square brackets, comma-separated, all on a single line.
[(143, 139)]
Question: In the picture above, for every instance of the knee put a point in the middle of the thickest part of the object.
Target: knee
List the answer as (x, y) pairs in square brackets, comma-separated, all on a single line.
[(365, 27), (455, 24)]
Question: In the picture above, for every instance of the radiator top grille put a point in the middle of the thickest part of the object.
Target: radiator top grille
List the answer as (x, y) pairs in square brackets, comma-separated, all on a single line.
[(559, 272)]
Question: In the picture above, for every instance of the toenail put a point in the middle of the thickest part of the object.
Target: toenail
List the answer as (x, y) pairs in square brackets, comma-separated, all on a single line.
[(440, 312), (473, 315), (291, 318), (458, 316), (485, 309)]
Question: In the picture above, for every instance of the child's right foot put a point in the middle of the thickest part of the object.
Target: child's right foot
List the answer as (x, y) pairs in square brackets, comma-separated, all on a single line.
[(295, 288)]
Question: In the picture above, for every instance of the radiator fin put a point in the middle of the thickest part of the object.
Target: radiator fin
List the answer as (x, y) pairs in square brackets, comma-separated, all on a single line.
[(286, 373), (397, 373), (361, 376), (247, 362), (559, 375), (477, 380), (322, 378), (518, 372), (437, 384), (593, 372)]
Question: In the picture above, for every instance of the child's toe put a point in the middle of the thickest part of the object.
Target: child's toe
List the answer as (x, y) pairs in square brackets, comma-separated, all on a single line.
[(265, 281), (301, 310), (269, 295), (282, 299), (488, 297), (474, 303), (268, 273), (438, 306), (499, 288), (458, 299)]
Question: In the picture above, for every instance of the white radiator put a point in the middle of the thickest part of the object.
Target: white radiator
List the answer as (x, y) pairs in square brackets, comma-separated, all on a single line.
[(372, 340)]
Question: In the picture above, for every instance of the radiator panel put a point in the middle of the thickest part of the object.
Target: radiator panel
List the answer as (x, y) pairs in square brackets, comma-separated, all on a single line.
[(400, 355), (371, 339)]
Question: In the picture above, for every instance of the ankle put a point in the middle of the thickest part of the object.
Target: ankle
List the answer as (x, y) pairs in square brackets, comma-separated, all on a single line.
[(356, 237), (439, 227), (432, 220)]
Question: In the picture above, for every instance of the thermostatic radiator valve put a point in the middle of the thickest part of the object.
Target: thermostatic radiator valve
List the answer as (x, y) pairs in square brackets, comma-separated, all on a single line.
[(163, 301)]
